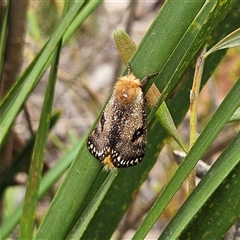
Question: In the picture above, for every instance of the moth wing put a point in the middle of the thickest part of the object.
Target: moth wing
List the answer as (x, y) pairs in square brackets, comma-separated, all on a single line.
[(99, 140), (132, 133)]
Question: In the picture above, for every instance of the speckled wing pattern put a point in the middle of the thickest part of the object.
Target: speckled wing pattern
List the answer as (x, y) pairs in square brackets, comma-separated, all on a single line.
[(119, 139)]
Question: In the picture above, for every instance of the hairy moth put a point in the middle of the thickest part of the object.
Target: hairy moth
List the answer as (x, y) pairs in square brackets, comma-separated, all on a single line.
[(120, 137)]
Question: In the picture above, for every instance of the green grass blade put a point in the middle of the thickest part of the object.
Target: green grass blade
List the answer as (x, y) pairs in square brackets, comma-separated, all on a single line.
[(126, 48), (236, 116), (7, 178), (35, 172), (218, 187), (231, 40), (164, 117), (14, 100), (3, 28), (70, 196), (215, 125), (194, 36), (47, 182), (77, 22), (92, 207)]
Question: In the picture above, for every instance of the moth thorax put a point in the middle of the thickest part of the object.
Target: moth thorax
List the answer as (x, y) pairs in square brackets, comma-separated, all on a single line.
[(127, 89)]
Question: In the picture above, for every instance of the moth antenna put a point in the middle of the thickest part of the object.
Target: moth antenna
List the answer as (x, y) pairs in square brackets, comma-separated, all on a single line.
[(145, 79)]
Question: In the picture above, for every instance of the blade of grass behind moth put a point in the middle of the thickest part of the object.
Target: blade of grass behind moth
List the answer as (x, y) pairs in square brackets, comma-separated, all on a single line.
[(126, 48), (70, 196), (210, 132), (163, 115), (196, 34)]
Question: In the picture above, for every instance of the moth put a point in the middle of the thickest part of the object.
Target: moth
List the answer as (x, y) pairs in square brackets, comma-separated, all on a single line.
[(120, 137)]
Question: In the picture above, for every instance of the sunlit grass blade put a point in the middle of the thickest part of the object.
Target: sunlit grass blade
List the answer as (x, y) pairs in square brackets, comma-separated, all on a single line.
[(231, 40), (236, 116)]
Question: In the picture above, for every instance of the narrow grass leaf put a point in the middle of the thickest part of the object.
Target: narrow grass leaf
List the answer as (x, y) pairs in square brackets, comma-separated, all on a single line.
[(231, 40)]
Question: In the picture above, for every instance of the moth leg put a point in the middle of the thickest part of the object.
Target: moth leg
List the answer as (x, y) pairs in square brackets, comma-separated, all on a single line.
[(145, 79)]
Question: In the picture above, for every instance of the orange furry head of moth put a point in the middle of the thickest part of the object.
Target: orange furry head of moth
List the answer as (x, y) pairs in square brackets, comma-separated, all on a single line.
[(127, 89)]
